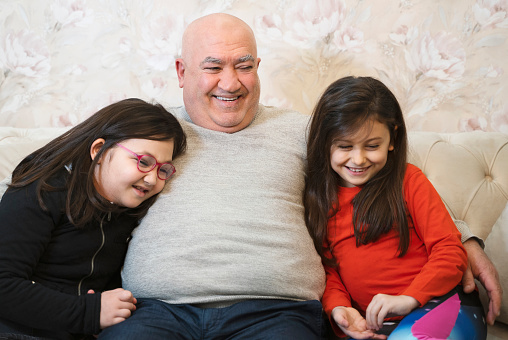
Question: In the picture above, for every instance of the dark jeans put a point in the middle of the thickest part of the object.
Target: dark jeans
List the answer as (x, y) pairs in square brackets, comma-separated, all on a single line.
[(253, 319)]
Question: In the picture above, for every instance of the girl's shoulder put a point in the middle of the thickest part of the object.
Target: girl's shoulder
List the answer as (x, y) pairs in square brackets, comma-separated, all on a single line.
[(415, 179), (59, 180), (54, 192), (412, 171), (27, 197), (411, 168)]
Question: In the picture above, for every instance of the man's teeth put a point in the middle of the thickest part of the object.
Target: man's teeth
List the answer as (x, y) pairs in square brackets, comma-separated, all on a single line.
[(227, 99)]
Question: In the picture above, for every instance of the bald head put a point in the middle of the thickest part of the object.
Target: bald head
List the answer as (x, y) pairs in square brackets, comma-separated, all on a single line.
[(218, 25), (218, 73)]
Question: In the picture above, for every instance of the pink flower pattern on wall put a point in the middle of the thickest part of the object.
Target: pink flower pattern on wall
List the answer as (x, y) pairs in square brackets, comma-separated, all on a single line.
[(441, 56), (60, 60), (24, 53)]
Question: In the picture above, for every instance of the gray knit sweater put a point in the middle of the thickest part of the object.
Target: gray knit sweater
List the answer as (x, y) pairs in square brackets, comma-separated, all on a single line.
[(229, 226)]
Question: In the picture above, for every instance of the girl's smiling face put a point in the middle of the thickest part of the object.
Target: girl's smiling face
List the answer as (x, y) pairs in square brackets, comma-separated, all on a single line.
[(360, 156), (117, 177)]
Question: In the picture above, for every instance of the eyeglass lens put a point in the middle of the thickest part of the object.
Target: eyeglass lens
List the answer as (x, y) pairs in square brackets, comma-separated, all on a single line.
[(147, 163)]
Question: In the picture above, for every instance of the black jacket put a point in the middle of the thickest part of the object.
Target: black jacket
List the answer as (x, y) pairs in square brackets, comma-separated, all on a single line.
[(47, 265)]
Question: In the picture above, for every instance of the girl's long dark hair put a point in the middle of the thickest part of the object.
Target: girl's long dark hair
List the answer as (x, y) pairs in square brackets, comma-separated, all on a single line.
[(341, 111), (126, 119)]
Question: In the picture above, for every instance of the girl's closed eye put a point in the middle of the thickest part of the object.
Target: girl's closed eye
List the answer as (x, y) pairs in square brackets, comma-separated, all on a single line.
[(144, 162)]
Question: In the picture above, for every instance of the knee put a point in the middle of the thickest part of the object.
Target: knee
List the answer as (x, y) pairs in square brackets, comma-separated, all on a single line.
[(118, 331)]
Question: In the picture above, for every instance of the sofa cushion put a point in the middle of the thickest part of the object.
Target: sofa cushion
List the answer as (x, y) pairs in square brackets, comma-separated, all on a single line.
[(16, 143)]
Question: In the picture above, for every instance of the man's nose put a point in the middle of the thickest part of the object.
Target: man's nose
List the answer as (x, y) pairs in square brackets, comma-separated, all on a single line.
[(229, 81)]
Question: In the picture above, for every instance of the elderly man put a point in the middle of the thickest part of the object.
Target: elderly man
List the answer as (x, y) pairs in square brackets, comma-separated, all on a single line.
[(224, 252)]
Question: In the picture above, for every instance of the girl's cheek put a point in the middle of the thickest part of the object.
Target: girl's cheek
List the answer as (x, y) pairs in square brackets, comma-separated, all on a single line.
[(160, 186)]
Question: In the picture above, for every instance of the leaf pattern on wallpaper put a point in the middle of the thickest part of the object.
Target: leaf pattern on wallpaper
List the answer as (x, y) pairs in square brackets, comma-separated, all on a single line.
[(61, 60)]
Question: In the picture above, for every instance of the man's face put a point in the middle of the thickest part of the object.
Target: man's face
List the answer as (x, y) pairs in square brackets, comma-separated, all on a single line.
[(218, 74)]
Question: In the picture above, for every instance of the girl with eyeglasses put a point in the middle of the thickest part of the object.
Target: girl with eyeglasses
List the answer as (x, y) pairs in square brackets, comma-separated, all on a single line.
[(67, 216)]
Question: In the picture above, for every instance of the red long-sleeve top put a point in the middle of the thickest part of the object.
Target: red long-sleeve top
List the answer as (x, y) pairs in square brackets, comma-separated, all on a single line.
[(432, 266)]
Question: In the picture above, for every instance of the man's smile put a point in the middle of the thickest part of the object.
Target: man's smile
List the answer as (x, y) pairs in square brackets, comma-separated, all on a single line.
[(227, 99)]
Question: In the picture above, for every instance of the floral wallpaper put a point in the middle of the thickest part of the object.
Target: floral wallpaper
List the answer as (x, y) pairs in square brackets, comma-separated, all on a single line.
[(446, 60)]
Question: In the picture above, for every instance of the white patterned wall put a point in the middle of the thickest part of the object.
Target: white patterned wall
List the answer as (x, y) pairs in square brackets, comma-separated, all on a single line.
[(447, 61)]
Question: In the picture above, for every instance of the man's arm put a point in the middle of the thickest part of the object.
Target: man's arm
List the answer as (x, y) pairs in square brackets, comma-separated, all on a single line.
[(481, 268), (466, 233)]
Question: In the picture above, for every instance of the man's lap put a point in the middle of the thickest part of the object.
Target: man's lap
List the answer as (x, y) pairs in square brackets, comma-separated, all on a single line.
[(253, 319)]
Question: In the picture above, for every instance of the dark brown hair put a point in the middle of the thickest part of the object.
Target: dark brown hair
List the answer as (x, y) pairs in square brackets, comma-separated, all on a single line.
[(379, 206), (126, 119)]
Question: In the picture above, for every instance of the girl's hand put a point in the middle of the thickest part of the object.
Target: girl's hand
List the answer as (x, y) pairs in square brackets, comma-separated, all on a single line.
[(116, 306), (353, 324), (383, 306)]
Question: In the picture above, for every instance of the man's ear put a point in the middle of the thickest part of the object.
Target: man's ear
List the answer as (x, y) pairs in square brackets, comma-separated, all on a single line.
[(180, 70), (96, 147)]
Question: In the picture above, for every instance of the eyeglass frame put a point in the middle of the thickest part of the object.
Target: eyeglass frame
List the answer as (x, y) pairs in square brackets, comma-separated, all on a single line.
[(157, 164)]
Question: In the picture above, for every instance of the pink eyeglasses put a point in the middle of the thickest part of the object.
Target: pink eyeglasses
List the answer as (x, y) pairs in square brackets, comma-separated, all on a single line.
[(146, 163)]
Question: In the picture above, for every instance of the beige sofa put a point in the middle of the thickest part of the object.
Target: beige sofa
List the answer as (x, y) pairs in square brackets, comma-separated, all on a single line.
[(470, 171)]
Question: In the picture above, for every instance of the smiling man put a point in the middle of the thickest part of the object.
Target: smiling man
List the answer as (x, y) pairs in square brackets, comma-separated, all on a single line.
[(224, 252), (218, 73)]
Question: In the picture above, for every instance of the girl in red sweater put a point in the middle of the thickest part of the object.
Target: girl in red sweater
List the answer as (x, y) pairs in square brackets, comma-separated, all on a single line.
[(387, 241)]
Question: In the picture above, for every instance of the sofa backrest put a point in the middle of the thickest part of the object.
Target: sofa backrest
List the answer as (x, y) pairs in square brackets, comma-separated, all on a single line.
[(470, 172)]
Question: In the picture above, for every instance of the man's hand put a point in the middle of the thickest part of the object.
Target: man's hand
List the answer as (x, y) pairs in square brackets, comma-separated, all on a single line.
[(481, 268), (353, 324), (383, 306)]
